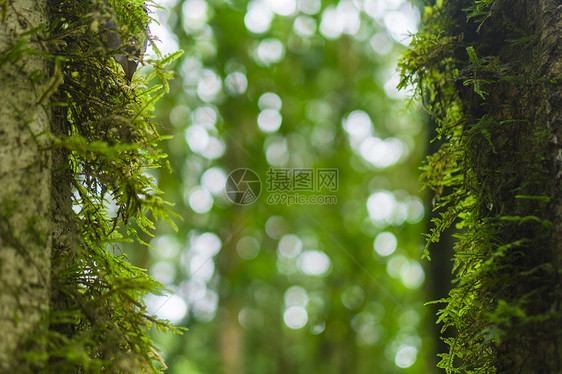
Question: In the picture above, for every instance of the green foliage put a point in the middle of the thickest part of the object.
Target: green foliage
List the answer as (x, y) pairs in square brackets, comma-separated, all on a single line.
[(98, 321), (480, 11), (489, 178)]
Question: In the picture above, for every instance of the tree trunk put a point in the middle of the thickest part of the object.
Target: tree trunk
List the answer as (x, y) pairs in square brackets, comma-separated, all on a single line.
[(530, 166), (520, 171), (491, 72), (25, 188), (231, 332), (538, 348)]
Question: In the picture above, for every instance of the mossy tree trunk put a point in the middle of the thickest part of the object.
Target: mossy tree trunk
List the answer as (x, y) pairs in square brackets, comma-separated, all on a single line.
[(490, 72), (25, 187), (524, 159), (74, 130), (536, 346)]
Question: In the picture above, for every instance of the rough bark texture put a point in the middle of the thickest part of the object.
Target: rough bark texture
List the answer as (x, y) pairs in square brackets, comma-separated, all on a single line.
[(551, 39), (547, 15), (531, 278), (25, 186)]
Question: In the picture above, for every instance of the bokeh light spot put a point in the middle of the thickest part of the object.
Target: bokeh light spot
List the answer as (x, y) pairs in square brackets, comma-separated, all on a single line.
[(353, 297), (358, 124), (194, 15), (295, 317), (205, 115), (283, 7), (412, 274), (209, 85), (380, 205), (309, 6), (275, 227), (248, 247), (170, 307), (276, 151), (200, 200), (207, 244), (290, 246), (214, 180), (269, 51), (269, 120), (304, 26), (236, 83), (163, 271), (405, 356), (258, 18), (381, 43), (296, 296), (201, 267), (197, 138), (315, 263), (270, 100), (385, 243)]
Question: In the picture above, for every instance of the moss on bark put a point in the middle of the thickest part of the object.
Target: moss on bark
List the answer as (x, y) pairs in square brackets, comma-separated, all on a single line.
[(490, 72)]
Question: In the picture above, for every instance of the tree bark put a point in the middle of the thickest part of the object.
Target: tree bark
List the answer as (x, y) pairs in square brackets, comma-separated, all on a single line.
[(545, 108), (532, 278), (25, 188), (491, 73)]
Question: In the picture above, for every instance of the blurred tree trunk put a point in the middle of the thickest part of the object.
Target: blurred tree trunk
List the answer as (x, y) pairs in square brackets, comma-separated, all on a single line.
[(231, 333), (25, 187), (231, 339)]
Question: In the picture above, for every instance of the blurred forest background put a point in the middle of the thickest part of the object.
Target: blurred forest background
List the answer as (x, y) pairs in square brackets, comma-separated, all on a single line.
[(270, 287)]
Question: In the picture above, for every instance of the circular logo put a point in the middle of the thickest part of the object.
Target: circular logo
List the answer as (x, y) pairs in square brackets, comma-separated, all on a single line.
[(243, 186)]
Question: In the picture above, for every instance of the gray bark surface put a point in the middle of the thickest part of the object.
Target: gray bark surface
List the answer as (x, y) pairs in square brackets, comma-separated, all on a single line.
[(25, 189)]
